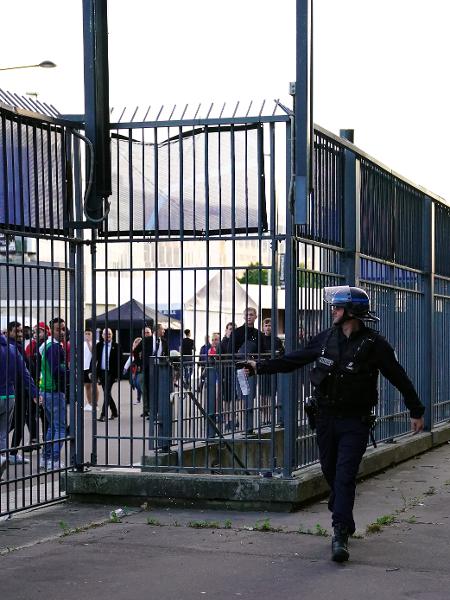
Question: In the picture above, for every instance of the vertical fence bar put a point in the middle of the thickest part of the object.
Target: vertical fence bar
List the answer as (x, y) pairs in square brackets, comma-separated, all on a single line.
[(304, 133), (93, 247), (352, 229), (79, 310), (288, 387), (428, 347)]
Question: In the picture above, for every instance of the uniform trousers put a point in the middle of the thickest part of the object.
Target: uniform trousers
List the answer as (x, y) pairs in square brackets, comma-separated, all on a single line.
[(342, 442)]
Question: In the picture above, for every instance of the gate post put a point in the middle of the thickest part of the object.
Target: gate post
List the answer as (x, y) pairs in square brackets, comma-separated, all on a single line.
[(351, 219), (428, 348), (164, 415), (96, 85), (159, 408), (76, 315), (303, 109), (288, 382), (210, 400)]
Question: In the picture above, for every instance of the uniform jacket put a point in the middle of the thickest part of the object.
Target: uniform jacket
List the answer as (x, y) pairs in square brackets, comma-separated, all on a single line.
[(340, 393)]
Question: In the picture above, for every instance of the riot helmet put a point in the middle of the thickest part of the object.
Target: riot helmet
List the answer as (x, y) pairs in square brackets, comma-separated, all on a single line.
[(353, 300)]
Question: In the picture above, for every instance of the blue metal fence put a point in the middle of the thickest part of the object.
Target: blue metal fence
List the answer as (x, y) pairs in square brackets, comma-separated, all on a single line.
[(200, 228), (39, 257)]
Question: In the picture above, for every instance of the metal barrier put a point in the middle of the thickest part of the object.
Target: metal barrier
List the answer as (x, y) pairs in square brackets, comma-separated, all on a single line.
[(194, 239), (38, 283), (200, 236)]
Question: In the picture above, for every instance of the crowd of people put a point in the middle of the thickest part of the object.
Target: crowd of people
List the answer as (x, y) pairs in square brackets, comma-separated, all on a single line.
[(151, 350), (33, 383), (34, 378)]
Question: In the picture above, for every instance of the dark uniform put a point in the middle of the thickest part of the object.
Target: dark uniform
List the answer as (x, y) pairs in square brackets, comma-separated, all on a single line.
[(345, 380)]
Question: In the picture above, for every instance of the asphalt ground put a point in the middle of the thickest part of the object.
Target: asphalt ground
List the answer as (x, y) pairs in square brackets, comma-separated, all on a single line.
[(401, 548)]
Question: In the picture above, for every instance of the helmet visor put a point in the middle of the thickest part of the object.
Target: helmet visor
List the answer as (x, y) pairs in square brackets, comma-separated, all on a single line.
[(338, 295)]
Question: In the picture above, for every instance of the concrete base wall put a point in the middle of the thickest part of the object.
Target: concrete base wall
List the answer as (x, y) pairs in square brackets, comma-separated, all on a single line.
[(243, 492), (257, 454)]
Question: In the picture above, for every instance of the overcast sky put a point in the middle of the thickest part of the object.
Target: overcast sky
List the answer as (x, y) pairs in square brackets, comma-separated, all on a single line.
[(381, 66)]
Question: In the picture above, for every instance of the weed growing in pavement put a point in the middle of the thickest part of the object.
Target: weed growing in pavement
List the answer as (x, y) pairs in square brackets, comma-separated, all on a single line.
[(265, 526), (319, 530), (114, 518), (64, 526), (409, 502), (386, 520), (380, 523), (204, 524), (72, 530), (373, 528), (430, 491), (227, 524), (153, 522)]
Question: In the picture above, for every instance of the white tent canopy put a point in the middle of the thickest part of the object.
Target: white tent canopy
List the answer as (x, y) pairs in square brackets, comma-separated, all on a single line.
[(217, 295), (221, 300)]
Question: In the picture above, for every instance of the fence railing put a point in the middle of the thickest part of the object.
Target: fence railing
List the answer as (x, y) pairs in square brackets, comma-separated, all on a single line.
[(200, 236)]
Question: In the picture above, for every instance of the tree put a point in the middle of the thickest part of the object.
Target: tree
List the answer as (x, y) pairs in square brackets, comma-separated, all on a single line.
[(254, 274)]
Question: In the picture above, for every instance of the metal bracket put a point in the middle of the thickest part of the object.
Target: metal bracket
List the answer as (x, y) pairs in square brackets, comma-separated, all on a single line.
[(83, 225)]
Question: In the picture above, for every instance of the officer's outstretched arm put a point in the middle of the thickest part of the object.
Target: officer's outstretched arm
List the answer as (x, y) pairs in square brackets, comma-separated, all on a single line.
[(292, 361), (395, 373)]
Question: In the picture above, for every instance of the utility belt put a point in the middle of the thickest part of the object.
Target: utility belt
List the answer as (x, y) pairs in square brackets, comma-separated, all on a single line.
[(312, 411)]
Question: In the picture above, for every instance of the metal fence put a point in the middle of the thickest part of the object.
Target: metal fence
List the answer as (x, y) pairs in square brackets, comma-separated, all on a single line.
[(194, 233), (37, 283), (200, 236)]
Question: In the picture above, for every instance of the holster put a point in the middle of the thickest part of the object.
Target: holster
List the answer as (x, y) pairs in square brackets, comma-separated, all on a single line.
[(311, 411)]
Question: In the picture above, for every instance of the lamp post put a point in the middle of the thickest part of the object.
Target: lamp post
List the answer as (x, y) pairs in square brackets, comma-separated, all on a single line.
[(46, 64)]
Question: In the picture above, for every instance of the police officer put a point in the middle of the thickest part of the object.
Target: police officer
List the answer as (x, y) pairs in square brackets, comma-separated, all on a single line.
[(348, 358)]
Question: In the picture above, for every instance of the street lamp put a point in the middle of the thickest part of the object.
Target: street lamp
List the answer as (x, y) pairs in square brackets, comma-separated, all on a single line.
[(46, 64)]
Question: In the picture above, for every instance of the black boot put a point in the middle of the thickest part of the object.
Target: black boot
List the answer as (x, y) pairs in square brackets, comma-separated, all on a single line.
[(339, 549)]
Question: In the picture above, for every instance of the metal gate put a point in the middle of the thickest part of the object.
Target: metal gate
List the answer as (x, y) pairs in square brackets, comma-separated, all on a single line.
[(194, 241), (39, 256)]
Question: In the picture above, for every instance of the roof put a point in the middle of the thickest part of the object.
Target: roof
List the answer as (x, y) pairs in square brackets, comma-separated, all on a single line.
[(133, 314)]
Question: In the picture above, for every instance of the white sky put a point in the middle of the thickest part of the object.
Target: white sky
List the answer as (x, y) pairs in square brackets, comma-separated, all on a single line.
[(381, 66)]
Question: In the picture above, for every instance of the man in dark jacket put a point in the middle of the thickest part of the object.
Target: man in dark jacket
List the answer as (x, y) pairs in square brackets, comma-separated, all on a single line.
[(246, 342), (348, 358), (148, 354), (41, 332), (22, 404), (109, 366), (12, 369), (187, 351), (268, 384), (278, 344)]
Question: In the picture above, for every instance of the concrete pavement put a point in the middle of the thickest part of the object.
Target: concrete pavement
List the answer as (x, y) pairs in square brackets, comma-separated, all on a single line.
[(74, 551)]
